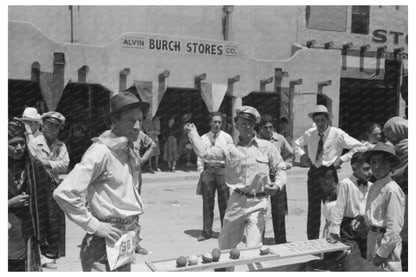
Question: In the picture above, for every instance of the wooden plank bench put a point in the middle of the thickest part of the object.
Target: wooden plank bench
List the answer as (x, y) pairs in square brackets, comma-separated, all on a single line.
[(252, 255)]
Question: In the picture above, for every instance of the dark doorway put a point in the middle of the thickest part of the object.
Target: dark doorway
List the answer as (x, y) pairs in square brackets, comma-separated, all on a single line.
[(22, 94), (363, 101), (175, 103), (264, 102), (84, 107)]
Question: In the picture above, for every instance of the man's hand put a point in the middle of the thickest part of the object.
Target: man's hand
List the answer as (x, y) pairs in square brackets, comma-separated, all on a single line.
[(332, 238), (338, 163), (45, 163), (106, 230), (189, 127), (20, 200), (271, 189), (378, 261)]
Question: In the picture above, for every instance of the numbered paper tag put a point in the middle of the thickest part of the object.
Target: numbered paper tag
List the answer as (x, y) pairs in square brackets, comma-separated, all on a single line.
[(121, 252)]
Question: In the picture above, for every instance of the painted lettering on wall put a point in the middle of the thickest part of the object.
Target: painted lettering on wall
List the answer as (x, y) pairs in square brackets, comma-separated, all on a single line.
[(181, 45), (382, 36), (133, 42)]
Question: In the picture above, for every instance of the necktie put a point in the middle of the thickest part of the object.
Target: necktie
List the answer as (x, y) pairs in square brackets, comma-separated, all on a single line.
[(214, 137), (362, 182), (320, 151)]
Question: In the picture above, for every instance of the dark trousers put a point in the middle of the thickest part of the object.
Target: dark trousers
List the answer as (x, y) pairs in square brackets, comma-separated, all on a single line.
[(279, 211), (348, 234), (213, 179), (93, 255), (322, 186)]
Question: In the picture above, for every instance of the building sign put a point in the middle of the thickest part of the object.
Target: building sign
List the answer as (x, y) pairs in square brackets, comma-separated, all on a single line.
[(382, 36), (181, 45)]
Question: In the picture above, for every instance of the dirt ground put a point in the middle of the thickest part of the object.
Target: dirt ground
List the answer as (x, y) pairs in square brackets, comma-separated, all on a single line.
[(172, 220)]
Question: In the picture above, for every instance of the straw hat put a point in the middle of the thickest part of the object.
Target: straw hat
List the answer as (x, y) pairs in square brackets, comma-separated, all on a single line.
[(321, 109), (30, 114)]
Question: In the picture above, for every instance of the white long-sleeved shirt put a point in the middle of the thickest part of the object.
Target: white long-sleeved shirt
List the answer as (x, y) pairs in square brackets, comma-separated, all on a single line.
[(56, 154), (335, 140), (222, 139), (351, 201), (246, 167), (109, 176), (385, 208)]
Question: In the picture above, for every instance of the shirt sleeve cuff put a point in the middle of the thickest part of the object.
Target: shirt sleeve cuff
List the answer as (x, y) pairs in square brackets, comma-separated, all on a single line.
[(383, 251), (334, 229), (92, 226)]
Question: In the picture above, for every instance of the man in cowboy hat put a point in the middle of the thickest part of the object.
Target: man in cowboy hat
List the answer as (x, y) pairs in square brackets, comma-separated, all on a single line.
[(324, 149), (249, 165), (385, 209), (109, 176), (53, 155), (32, 121)]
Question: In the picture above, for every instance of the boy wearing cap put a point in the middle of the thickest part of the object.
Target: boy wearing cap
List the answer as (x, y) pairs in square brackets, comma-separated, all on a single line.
[(46, 148), (348, 213), (324, 149), (53, 155), (385, 209), (248, 166), (279, 199), (109, 177)]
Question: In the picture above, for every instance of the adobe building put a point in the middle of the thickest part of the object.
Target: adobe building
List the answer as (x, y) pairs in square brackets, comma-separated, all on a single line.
[(281, 59)]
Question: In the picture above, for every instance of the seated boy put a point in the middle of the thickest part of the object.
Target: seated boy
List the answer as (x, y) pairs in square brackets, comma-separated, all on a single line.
[(347, 217), (384, 212)]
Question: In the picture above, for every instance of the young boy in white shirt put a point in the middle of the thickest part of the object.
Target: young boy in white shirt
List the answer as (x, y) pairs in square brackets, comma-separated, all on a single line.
[(384, 213), (347, 217)]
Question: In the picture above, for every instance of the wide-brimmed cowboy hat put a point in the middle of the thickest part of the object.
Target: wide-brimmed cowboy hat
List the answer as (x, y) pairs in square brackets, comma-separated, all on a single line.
[(30, 114), (320, 109), (124, 100), (383, 148)]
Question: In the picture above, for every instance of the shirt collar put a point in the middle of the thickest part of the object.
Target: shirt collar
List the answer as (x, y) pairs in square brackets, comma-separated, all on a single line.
[(326, 132), (111, 140), (253, 142), (383, 180)]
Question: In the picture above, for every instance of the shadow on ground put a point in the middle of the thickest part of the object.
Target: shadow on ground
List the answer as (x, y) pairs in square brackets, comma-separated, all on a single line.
[(196, 233)]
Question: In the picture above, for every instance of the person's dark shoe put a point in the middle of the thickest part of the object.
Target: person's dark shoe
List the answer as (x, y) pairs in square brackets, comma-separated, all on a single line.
[(142, 251), (202, 237), (51, 265)]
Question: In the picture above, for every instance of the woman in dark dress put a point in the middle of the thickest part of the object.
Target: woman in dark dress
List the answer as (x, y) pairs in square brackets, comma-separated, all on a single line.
[(23, 249)]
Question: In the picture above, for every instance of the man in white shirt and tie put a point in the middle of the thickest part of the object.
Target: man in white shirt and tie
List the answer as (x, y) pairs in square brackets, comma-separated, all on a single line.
[(213, 176), (324, 146)]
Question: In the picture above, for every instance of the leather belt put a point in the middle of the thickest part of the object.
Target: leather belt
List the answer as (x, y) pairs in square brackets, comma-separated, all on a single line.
[(377, 229), (251, 195), (214, 165)]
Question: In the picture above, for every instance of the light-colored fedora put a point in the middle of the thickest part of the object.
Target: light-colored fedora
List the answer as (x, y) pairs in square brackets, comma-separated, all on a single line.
[(30, 114), (321, 109), (386, 149)]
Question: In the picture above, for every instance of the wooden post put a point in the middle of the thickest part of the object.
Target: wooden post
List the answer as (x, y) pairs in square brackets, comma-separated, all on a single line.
[(58, 78), (236, 102), (291, 113), (123, 79), (264, 82), (162, 84), (227, 21), (35, 72), (198, 79), (82, 74)]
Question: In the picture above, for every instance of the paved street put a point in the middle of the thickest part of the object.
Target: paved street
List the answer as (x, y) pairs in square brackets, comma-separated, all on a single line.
[(173, 218)]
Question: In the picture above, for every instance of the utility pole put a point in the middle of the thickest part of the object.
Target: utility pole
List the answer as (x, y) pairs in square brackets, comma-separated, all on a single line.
[(72, 23)]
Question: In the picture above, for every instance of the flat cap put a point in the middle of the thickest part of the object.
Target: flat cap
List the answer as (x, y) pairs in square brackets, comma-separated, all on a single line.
[(53, 117)]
